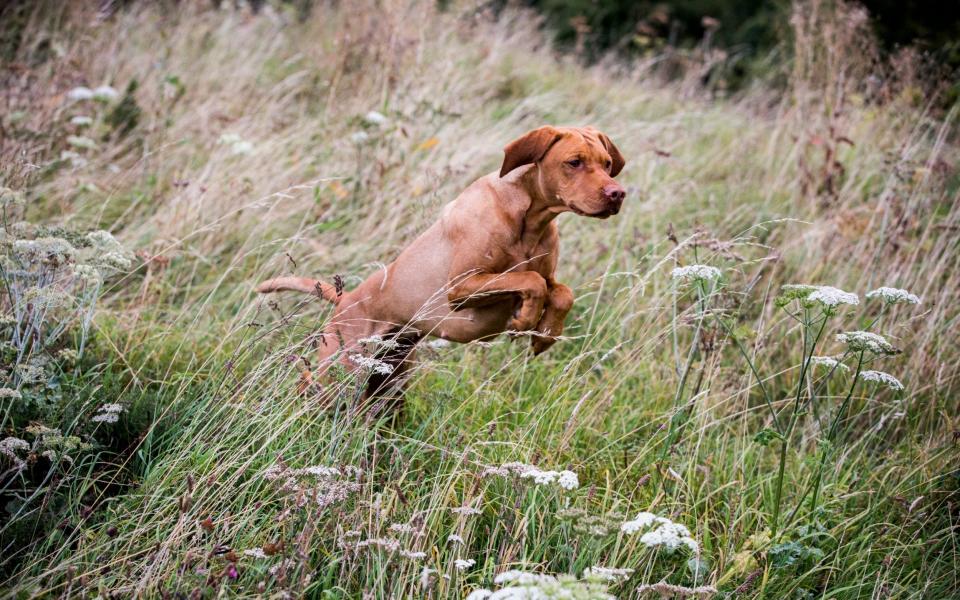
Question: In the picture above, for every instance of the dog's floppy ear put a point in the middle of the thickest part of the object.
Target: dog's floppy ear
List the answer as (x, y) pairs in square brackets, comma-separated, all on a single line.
[(529, 148), (615, 156)]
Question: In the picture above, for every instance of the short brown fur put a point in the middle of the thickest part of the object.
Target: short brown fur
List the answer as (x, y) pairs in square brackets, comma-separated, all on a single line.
[(488, 264)]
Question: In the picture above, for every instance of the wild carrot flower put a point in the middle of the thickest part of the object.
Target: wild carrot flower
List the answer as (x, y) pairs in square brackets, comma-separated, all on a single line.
[(863, 341), (80, 93), (375, 118), (891, 295), (465, 510), (359, 137), (255, 553), (810, 295), (829, 362), (661, 532), (10, 394), (411, 555), (370, 363), (81, 141), (692, 273), (454, 538), (611, 574), (105, 93), (565, 479), (81, 120), (376, 340), (10, 446), (521, 585), (832, 297), (880, 377), (464, 564), (668, 590)]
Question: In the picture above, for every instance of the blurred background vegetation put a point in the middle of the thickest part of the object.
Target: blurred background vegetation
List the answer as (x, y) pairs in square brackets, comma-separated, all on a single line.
[(747, 30)]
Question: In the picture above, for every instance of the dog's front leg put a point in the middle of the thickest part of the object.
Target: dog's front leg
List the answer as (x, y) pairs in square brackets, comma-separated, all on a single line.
[(558, 304), (477, 289)]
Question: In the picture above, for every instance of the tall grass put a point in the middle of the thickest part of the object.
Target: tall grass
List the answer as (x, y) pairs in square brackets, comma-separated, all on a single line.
[(246, 149)]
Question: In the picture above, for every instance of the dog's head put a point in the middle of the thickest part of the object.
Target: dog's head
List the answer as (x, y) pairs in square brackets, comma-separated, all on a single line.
[(576, 167)]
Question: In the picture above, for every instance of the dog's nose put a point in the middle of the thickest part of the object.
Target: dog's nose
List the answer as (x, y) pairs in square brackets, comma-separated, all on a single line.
[(614, 193), (614, 196)]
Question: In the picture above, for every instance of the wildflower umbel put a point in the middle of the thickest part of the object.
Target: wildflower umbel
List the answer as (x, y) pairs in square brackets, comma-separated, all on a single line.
[(880, 377), (662, 532), (611, 574), (464, 564), (828, 362), (866, 341), (521, 585), (565, 479), (372, 364), (832, 297), (891, 295), (692, 273), (811, 295)]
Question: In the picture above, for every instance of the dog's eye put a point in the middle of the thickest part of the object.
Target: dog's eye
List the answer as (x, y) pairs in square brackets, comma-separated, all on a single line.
[(609, 164), (575, 163)]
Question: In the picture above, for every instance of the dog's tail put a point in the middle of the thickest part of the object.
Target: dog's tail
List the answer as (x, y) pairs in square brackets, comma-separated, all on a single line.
[(306, 285)]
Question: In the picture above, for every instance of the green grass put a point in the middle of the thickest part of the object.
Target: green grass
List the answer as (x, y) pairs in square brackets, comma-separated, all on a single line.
[(208, 371)]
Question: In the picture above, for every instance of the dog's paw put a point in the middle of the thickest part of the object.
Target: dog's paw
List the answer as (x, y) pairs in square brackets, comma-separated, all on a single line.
[(540, 343)]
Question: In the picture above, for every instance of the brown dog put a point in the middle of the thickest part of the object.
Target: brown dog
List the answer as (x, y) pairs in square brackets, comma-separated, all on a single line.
[(486, 266)]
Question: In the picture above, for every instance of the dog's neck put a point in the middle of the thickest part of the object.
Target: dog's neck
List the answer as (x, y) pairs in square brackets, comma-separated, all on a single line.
[(542, 210)]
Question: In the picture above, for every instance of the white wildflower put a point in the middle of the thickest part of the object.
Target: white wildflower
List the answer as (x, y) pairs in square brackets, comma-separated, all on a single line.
[(861, 341), (670, 536), (403, 528), (692, 273), (388, 544), (455, 539), (465, 510), (87, 274), (255, 553), (116, 260), (373, 364), (479, 594), (611, 574), (413, 555), (376, 340), (105, 93), (438, 343), (81, 141), (46, 249), (642, 521), (522, 577), (829, 362), (75, 159), (662, 532), (9, 446), (464, 564), (237, 144), (10, 394), (533, 586), (81, 121), (359, 137), (375, 118), (111, 408), (880, 377), (319, 471), (565, 479), (891, 295), (832, 297), (80, 93), (105, 418)]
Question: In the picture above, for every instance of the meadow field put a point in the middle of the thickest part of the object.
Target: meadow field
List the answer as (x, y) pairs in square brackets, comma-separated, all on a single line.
[(755, 396)]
